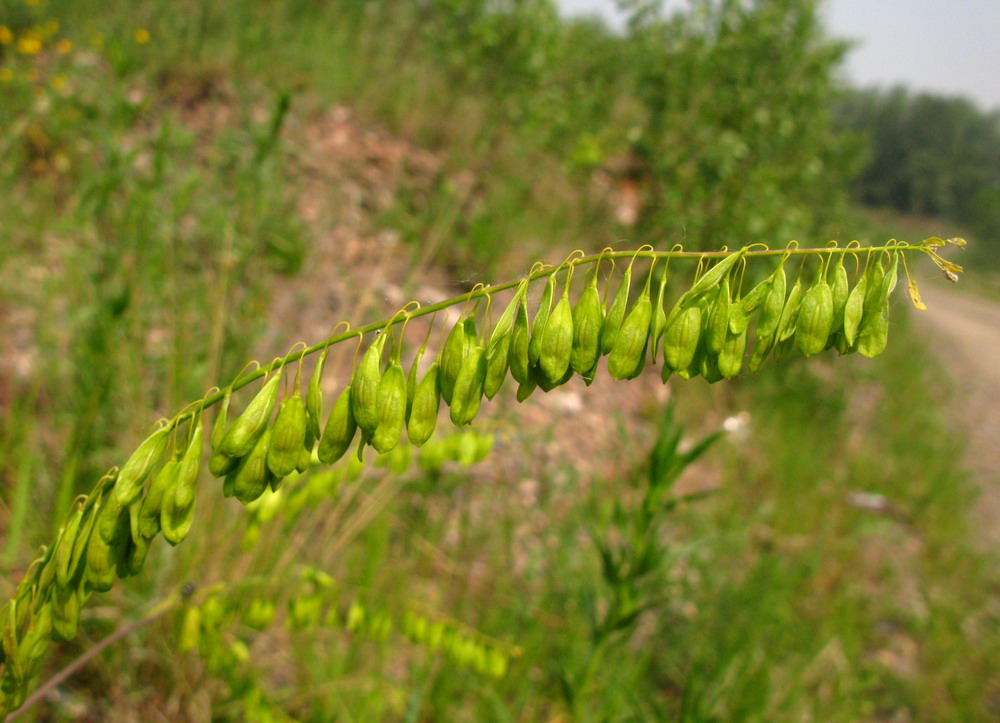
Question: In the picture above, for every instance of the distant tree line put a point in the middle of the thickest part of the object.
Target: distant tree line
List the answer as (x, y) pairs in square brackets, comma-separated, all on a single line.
[(929, 154)]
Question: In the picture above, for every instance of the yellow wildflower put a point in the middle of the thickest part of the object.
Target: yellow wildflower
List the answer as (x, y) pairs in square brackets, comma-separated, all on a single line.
[(58, 82), (6, 36), (64, 46), (142, 36), (29, 45)]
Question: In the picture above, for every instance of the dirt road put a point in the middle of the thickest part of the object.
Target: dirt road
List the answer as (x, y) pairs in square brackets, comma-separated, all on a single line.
[(964, 331)]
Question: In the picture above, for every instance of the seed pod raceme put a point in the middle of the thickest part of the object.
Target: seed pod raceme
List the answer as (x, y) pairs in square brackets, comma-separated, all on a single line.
[(469, 387), (519, 341), (498, 349), (241, 436), (364, 387), (288, 433), (424, 413), (139, 465), (556, 344), (540, 320), (391, 407), (628, 354), (339, 431), (588, 317)]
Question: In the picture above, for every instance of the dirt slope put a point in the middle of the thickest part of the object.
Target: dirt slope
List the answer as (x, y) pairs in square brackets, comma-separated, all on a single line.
[(964, 331)]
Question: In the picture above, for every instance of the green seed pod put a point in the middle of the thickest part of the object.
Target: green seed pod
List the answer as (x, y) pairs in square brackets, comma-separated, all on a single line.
[(288, 436), (243, 433), (65, 614), (339, 431), (616, 313), (460, 340), (90, 514), (718, 319), (731, 357), (149, 514), (588, 317), (63, 555), (680, 339), (391, 408), (364, 386), (314, 396), (854, 311), (101, 561), (710, 368), (113, 525), (628, 353), (469, 387), (790, 314), (543, 383), (187, 470), (498, 348), (659, 315), (840, 289), (539, 322), (714, 275), (219, 465), (874, 335), (738, 320), (219, 429), (176, 518), (774, 303), (139, 465), (525, 389), (411, 381), (812, 329), (497, 361), (557, 340), (135, 557), (305, 453), (250, 478), (426, 401), (520, 339), (756, 296)]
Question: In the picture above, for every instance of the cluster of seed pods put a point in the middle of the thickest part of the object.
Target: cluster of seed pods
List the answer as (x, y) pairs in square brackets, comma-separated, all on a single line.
[(713, 330)]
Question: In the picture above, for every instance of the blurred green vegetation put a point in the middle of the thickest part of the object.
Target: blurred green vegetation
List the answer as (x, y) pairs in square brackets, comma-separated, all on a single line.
[(153, 161), (930, 155)]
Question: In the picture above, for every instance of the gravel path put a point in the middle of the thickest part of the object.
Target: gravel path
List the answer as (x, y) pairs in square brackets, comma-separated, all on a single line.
[(964, 331)]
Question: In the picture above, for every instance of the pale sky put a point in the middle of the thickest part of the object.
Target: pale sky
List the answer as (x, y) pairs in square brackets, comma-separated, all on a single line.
[(945, 46)]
